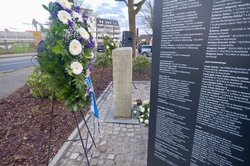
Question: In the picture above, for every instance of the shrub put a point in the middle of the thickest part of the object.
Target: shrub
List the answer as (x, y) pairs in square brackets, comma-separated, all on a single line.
[(38, 84), (140, 64), (103, 60)]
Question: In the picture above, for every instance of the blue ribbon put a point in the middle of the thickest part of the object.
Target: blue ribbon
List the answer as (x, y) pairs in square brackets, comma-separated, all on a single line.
[(91, 92)]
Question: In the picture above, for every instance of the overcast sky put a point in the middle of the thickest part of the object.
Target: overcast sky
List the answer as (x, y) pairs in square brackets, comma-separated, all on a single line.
[(16, 14)]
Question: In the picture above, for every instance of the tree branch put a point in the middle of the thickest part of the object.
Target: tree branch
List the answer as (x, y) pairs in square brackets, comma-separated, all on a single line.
[(138, 6), (125, 2)]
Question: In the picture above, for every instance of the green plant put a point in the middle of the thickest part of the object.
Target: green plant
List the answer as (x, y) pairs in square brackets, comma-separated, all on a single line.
[(140, 64), (102, 60), (38, 83)]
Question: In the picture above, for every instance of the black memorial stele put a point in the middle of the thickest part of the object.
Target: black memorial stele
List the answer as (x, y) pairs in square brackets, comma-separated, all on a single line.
[(200, 89)]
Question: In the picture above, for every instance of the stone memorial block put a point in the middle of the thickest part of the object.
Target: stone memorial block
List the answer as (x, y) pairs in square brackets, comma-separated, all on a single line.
[(200, 89), (122, 79)]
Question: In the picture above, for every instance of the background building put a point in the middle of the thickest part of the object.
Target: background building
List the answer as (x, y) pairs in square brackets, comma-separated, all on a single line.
[(107, 26)]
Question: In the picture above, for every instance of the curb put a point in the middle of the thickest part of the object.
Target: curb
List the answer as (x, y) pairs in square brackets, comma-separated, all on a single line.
[(74, 134), (16, 55)]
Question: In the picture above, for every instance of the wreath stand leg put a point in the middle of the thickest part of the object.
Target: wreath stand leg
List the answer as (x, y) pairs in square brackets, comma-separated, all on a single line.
[(51, 127), (79, 132), (89, 133)]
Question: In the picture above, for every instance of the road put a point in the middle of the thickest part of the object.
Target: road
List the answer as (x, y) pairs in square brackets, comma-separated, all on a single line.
[(15, 63)]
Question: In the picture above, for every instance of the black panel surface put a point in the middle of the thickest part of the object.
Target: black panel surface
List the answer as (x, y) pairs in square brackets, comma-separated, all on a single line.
[(200, 88)]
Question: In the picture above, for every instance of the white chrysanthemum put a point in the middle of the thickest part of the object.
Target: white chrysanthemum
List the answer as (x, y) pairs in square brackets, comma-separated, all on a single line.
[(142, 109), (76, 68), (141, 120), (107, 47), (146, 121), (65, 3), (75, 47), (145, 102), (77, 15), (84, 34), (64, 16)]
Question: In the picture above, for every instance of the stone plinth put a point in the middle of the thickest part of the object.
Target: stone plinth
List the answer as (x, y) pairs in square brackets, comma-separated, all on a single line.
[(122, 80)]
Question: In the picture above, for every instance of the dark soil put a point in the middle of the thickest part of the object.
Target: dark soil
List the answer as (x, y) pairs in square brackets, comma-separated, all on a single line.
[(24, 123)]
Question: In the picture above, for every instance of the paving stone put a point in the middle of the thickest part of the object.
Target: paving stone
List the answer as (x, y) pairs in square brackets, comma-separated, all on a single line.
[(116, 132), (131, 130), (130, 126), (111, 157), (124, 129), (73, 156), (101, 162), (119, 158), (103, 142), (73, 163), (94, 162), (117, 144), (63, 161), (96, 153), (117, 128), (109, 163), (131, 134)]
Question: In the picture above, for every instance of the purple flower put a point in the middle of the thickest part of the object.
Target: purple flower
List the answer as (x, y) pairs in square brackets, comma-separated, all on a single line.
[(84, 16), (90, 67), (78, 9), (55, 13), (70, 23), (59, 5), (68, 10), (80, 39)]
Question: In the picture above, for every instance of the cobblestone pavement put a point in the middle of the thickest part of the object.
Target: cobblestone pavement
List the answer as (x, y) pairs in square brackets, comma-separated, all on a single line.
[(11, 81), (117, 144)]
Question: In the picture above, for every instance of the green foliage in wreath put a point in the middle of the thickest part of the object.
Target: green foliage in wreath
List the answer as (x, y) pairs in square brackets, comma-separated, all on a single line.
[(67, 53)]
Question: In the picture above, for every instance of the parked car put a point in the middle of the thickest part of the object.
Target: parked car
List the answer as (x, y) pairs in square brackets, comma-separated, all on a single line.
[(146, 50)]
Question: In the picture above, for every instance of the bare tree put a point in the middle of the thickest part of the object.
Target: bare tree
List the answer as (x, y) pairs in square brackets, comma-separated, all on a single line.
[(133, 10), (147, 14)]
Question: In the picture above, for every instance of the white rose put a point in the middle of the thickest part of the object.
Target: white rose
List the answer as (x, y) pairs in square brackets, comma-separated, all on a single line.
[(75, 47), (84, 34), (141, 120), (64, 16), (148, 109), (146, 121), (65, 3), (107, 47), (112, 44), (76, 68), (77, 15)]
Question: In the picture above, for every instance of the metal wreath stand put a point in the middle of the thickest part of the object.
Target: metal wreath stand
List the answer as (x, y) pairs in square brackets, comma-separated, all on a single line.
[(79, 132)]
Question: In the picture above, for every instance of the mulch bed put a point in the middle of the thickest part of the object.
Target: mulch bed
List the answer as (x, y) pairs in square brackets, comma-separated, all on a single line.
[(24, 122)]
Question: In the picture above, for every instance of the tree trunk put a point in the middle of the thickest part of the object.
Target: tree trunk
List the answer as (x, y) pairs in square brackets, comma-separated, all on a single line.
[(132, 25)]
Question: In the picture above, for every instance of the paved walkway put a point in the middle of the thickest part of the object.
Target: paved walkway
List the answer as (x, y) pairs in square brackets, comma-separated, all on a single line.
[(117, 144), (11, 81)]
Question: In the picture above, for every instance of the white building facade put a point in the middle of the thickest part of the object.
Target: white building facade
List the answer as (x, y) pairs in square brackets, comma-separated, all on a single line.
[(107, 26)]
